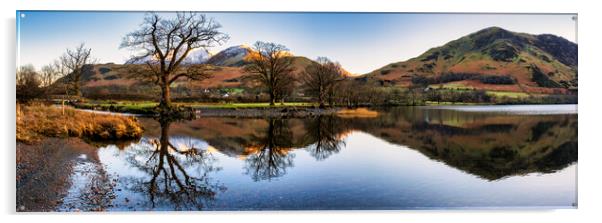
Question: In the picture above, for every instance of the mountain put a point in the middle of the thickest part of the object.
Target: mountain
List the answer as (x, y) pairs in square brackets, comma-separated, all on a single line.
[(196, 56), (230, 64), (227, 71), (235, 57), (490, 59), (231, 57)]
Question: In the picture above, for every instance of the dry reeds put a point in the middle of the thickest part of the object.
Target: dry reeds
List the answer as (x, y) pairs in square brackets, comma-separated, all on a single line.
[(37, 121)]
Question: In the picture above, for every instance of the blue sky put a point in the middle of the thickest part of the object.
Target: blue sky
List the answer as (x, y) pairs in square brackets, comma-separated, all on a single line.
[(361, 42)]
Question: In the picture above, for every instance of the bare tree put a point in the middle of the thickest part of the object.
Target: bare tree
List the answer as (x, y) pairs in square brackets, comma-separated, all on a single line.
[(73, 61), (24, 73), (61, 73), (61, 70), (164, 43), (271, 65), (348, 92), (28, 84), (321, 78), (48, 74)]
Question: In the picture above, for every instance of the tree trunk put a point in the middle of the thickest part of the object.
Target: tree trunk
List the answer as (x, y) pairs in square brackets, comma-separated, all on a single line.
[(78, 93), (321, 100), (272, 98), (165, 97)]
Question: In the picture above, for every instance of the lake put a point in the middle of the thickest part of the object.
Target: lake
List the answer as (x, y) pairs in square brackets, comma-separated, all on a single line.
[(448, 157)]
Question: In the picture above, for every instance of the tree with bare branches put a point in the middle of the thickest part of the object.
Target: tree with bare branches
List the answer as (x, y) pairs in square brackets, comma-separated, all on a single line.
[(163, 43), (28, 84), (48, 74), (271, 65), (321, 78), (73, 60)]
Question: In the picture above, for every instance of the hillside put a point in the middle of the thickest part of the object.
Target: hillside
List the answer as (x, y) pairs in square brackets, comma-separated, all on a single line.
[(231, 57), (490, 59), (227, 71)]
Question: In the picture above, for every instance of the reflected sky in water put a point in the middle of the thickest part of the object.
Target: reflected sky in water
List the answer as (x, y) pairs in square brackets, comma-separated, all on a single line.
[(406, 158)]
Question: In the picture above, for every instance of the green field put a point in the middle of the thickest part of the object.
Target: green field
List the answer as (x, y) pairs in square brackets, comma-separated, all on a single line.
[(451, 86), (461, 87), (508, 94), (246, 105), (450, 103), (123, 106)]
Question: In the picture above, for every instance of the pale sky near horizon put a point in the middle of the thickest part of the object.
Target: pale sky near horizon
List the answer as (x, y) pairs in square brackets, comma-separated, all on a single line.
[(361, 42)]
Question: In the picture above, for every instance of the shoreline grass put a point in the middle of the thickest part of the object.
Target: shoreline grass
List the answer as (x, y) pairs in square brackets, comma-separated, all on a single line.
[(35, 122), (357, 113)]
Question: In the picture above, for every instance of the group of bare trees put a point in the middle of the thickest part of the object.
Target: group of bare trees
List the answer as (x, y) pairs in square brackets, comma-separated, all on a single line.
[(272, 66), (28, 84), (163, 43), (33, 84)]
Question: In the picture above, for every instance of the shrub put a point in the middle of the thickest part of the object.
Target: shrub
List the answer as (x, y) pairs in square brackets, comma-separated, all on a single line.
[(542, 79), (420, 80), (451, 77), (104, 70), (385, 72), (496, 79)]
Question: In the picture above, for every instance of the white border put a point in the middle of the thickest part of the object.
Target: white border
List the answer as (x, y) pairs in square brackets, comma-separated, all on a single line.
[(590, 80)]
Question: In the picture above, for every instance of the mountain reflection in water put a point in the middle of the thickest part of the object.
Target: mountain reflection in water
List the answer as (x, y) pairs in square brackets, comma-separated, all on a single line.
[(177, 164)]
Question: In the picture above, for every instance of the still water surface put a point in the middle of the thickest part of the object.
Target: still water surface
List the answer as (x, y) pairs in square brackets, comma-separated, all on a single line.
[(405, 158)]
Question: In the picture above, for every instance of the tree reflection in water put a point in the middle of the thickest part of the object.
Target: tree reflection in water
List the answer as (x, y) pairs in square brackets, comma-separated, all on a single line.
[(178, 175), (326, 133), (270, 156), (490, 146)]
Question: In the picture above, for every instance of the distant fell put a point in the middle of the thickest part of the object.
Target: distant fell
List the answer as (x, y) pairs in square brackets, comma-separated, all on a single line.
[(490, 59)]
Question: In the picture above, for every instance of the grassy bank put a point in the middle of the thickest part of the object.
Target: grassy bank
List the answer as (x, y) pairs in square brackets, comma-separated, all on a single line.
[(248, 105), (148, 108), (145, 108), (243, 109), (35, 122)]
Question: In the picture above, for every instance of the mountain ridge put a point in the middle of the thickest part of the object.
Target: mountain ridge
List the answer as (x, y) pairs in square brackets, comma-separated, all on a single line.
[(532, 60)]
